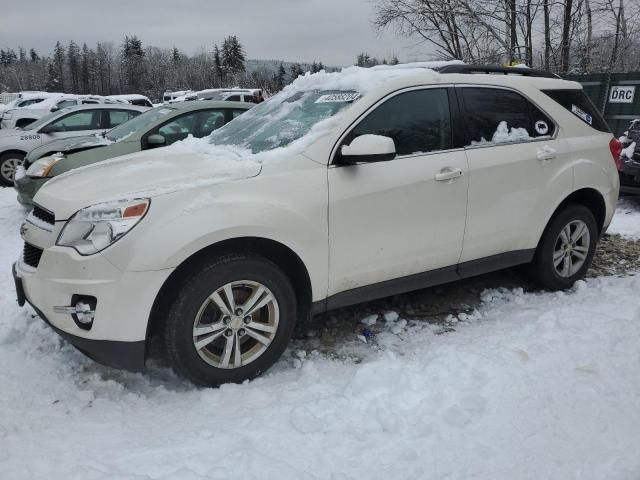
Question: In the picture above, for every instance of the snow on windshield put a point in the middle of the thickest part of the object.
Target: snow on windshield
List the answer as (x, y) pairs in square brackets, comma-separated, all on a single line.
[(305, 110)]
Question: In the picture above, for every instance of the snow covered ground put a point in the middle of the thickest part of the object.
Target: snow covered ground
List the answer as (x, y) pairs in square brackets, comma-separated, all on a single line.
[(531, 386)]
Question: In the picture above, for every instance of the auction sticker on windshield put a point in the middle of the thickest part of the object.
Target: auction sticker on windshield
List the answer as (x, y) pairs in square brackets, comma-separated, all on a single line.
[(338, 97)]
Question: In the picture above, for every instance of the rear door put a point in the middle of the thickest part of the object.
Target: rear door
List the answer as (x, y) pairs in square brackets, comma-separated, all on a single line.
[(113, 118), (518, 169)]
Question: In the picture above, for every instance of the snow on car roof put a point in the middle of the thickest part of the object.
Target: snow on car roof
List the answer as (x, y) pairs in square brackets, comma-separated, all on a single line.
[(130, 96)]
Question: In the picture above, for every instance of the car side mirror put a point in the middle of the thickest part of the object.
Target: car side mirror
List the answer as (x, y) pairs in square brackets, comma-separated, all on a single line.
[(368, 148), (156, 140), (47, 129)]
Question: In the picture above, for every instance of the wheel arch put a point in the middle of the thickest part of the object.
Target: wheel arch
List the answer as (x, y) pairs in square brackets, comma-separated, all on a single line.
[(278, 253), (13, 150), (23, 122), (588, 197)]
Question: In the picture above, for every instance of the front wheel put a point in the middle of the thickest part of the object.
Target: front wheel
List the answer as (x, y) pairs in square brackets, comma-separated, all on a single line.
[(9, 162), (566, 249), (231, 320)]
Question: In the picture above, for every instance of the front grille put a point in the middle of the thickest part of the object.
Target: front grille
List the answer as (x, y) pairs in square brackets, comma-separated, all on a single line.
[(44, 215), (31, 255)]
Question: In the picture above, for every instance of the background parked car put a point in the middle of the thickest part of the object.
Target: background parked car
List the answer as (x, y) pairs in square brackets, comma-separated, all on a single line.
[(629, 165), (159, 127), (68, 122), (22, 116), (24, 99), (133, 99), (169, 95), (222, 94)]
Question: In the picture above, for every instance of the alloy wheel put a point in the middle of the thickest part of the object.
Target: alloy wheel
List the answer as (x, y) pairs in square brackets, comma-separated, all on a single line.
[(236, 324), (8, 168), (571, 248)]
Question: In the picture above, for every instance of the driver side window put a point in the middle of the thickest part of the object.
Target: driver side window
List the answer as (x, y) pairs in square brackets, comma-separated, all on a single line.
[(418, 121), (179, 128)]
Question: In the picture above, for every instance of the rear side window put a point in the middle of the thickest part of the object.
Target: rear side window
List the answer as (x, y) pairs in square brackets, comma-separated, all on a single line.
[(116, 117), (418, 121), (495, 115), (234, 98), (577, 102)]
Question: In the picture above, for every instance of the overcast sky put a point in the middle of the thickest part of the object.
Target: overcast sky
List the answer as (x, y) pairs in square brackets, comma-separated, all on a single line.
[(332, 31)]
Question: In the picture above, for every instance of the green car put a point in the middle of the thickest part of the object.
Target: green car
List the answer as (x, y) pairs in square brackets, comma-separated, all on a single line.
[(154, 128)]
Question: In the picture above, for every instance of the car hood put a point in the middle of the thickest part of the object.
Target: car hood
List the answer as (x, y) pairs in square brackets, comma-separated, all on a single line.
[(144, 174), (68, 144)]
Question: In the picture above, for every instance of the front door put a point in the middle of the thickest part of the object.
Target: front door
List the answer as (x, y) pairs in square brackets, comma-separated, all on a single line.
[(83, 122), (392, 219)]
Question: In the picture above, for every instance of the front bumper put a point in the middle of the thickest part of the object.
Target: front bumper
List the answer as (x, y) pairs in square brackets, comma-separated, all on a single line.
[(117, 336), (27, 187), (124, 355)]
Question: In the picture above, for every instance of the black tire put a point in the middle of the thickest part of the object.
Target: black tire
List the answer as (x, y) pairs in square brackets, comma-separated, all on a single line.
[(543, 268), (5, 160), (179, 322)]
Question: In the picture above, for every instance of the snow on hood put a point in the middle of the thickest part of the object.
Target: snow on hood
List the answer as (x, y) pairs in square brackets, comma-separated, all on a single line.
[(143, 174)]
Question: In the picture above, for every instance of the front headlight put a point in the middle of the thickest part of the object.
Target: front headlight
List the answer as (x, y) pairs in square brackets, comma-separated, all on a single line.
[(43, 166), (94, 228)]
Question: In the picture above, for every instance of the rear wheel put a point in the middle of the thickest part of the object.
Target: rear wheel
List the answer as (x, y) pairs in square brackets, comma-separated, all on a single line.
[(8, 164), (566, 249), (231, 320)]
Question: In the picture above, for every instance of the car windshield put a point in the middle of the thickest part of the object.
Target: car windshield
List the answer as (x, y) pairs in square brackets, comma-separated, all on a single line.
[(277, 123), (140, 122)]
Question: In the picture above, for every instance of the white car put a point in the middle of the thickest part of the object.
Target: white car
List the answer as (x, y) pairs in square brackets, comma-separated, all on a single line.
[(24, 99), (342, 188), (133, 99), (22, 116), (68, 122)]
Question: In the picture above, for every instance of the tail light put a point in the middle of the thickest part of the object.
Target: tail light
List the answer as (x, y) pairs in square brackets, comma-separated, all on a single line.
[(615, 146)]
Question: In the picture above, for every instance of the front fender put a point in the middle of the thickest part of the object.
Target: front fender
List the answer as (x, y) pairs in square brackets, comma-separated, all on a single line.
[(289, 208)]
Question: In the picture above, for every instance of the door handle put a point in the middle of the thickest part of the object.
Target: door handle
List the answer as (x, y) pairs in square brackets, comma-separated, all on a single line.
[(447, 173), (546, 153)]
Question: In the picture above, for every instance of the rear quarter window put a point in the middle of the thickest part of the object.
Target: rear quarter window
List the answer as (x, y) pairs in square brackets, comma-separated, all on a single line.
[(577, 102)]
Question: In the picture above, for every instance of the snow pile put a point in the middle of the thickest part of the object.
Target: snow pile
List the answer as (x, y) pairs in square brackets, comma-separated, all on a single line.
[(535, 386), (505, 135), (628, 151), (626, 221)]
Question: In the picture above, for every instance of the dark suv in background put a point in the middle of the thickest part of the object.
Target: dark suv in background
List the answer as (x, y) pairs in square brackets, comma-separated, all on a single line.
[(629, 165)]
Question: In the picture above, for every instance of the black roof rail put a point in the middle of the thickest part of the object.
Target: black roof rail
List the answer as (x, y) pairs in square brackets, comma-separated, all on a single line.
[(527, 72)]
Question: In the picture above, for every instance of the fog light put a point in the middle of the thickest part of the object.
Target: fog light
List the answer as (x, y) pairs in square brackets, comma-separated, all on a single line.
[(82, 310)]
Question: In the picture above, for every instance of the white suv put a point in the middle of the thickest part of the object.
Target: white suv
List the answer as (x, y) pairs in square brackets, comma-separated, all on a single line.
[(342, 188)]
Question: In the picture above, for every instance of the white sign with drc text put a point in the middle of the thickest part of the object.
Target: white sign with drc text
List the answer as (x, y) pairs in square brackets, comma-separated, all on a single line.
[(622, 94)]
